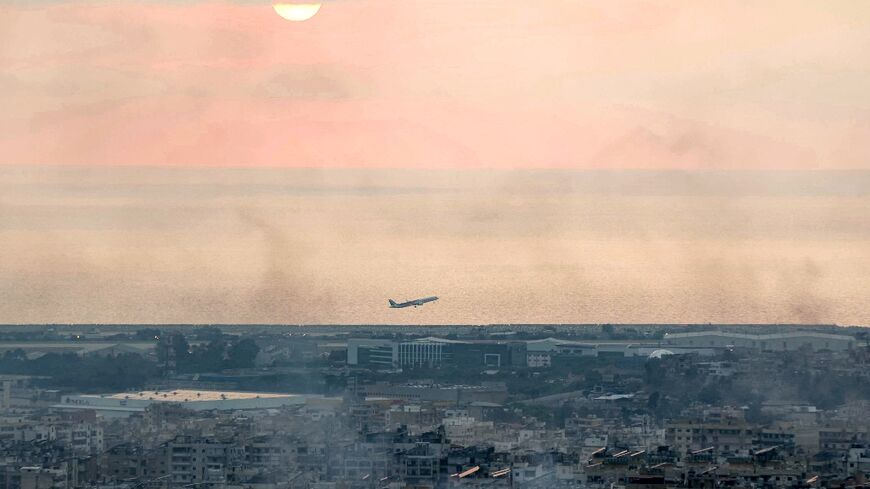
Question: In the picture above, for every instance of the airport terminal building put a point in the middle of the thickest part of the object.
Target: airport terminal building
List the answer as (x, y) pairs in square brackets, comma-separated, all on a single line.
[(539, 353), (765, 342), (388, 354)]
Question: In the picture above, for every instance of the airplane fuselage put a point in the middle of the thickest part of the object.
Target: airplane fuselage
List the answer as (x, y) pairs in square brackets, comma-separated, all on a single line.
[(414, 303)]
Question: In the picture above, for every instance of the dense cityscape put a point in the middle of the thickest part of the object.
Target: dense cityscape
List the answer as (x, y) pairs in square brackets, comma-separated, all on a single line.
[(572, 406), (420, 244)]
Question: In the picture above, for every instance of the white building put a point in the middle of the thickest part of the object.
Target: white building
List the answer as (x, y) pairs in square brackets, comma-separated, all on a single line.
[(858, 460), (592, 348)]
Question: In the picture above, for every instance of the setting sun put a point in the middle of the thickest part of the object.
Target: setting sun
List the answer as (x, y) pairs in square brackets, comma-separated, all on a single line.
[(296, 12)]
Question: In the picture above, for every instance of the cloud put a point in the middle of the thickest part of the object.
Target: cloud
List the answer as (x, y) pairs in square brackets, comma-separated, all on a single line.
[(312, 83)]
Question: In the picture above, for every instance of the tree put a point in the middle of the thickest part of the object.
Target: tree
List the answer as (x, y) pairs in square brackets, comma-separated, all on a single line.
[(593, 378), (210, 358), (242, 354), (173, 345), (89, 373), (210, 333), (147, 334), (16, 355), (653, 402), (338, 356), (654, 373), (710, 394)]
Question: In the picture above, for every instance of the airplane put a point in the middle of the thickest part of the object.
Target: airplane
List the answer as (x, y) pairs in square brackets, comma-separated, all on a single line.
[(415, 302)]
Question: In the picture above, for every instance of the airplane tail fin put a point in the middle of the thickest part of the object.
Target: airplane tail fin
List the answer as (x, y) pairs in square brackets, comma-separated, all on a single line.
[(392, 303)]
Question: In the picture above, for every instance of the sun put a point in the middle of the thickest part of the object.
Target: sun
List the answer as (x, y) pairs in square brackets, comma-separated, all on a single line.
[(296, 12)]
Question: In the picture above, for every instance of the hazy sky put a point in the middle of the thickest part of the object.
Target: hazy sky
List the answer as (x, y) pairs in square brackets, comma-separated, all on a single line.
[(549, 161), (437, 83), (135, 244)]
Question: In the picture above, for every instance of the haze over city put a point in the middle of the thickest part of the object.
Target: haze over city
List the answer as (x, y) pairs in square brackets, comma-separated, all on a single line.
[(434, 244)]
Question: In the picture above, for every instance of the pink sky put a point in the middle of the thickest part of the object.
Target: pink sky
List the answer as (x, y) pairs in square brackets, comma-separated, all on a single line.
[(438, 83), (424, 86)]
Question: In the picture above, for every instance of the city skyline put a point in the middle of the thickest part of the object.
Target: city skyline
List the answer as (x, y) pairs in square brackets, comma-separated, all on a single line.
[(434, 244)]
